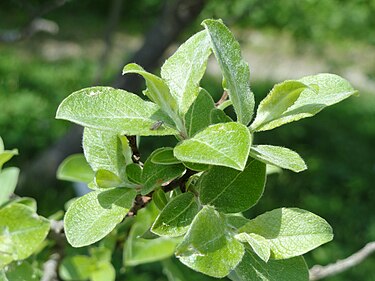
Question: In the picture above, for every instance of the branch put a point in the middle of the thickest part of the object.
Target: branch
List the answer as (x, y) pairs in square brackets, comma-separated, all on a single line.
[(318, 272)]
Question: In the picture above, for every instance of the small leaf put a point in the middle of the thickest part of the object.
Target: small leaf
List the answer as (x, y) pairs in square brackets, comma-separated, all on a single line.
[(176, 217), (134, 173), (185, 68), (198, 115), (157, 90), (253, 268), (217, 145), (76, 268), (196, 166), (278, 156), (164, 156), (8, 183), (159, 198), (281, 97), (154, 175), (259, 244), (23, 229), (107, 179), (290, 231), (207, 248), (6, 155), (75, 168), (235, 70), (104, 271), (108, 109), (323, 90), (232, 191), (93, 216), (219, 116)]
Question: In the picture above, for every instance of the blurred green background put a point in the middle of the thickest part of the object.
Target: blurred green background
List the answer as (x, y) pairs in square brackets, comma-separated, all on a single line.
[(280, 40)]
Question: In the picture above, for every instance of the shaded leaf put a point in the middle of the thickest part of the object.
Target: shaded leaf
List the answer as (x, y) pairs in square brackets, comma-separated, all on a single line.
[(219, 116), (75, 168), (235, 70), (75, 268), (164, 156), (215, 146), (134, 173)]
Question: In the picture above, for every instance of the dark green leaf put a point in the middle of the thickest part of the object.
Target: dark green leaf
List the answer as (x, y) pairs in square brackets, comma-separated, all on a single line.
[(134, 173), (164, 156), (219, 116)]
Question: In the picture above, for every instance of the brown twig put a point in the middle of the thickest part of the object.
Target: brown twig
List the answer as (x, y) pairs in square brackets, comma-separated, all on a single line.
[(180, 182), (133, 146), (223, 98), (318, 272)]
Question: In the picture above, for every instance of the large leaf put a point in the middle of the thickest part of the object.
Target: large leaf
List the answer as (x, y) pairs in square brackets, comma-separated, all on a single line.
[(323, 90), (104, 151), (207, 247), (157, 89), (185, 68), (254, 269), (233, 191), (198, 115), (226, 144), (290, 231), (176, 217), (22, 230), (109, 109), (279, 156), (155, 175), (281, 97), (138, 250), (75, 168), (8, 183), (235, 70), (94, 215)]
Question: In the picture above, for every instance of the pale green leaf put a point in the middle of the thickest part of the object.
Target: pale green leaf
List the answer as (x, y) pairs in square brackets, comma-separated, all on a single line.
[(235, 70), (164, 156), (154, 175), (271, 169), (6, 155), (8, 183), (107, 179), (76, 268), (207, 247), (175, 218), (157, 90), (232, 191), (93, 216), (290, 231), (215, 145), (279, 156), (281, 97), (104, 271), (185, 68), (253, 268), (115, 110), (323, 90), (23, 228), (198, 115), (259, 244), (75, 168)]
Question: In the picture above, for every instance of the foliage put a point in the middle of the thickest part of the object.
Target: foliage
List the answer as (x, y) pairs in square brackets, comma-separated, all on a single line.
[(200, 186)]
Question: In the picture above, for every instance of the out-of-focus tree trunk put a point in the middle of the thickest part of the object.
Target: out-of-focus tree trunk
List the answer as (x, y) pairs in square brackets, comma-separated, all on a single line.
[(176, 16)]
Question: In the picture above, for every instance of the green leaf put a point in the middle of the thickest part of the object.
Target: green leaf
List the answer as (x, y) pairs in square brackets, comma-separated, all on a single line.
[(176, 217), (235, 221), (115, 110), (207, 247), (259, 244), (235, 70), (219, 116), (215, 146), (154, 175), (164, 156), (254, 269), (1, 145), (323, 90), (22, 229), (281, 97), (185, 68), (107, 179), (94, 215), (104, 271), (75, 168), (138, 250), (6, 155), (157, 90), (232, 191), (278, 156), (8, 183), (134, 173), (104, 151), (159, 198), (198, 115), (76, 268), (22, 271), (290, 231)]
